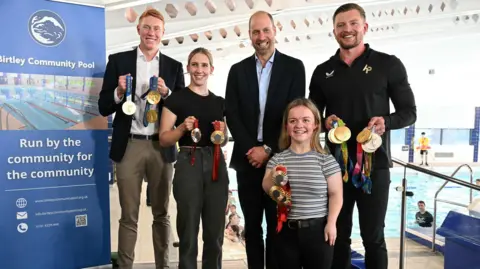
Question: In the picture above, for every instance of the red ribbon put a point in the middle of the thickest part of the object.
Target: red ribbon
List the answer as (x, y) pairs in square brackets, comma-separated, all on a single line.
[(192, 153), (282, 209), (216, 154)]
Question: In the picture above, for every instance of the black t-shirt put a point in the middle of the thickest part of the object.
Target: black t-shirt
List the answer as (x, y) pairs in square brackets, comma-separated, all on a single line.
[(206, 109), (425, 219)]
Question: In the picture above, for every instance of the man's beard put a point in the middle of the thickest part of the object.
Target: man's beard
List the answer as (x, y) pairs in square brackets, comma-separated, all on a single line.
[(348, 46)]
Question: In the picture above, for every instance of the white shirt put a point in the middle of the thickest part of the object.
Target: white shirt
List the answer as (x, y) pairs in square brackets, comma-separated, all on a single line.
[(145, 70)]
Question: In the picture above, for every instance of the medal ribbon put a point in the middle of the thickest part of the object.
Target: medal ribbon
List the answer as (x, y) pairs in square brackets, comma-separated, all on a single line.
[(192, 152), (341, 155), (367, 181), (282, 209), (128, 93), (153, 87), (216, 154), (148, 106), (358, 178)]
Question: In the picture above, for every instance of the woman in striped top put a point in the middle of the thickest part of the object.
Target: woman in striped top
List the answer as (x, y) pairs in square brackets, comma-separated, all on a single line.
[(308, 233)]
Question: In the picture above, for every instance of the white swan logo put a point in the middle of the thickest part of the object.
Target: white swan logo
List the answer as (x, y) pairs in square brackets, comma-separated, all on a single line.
[(47, 28)]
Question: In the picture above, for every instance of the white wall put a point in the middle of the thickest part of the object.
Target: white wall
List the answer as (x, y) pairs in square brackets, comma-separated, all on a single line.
[(444, 99)]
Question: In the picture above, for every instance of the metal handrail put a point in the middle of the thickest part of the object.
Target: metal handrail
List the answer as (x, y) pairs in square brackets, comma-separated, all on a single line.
[(436, 174), (404, 197), (434, 232)]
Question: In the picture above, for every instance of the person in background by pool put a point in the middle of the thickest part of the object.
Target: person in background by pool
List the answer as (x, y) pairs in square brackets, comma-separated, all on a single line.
[(424, 146), (200, 183), (357, 85), (423, 218), (306, 239)]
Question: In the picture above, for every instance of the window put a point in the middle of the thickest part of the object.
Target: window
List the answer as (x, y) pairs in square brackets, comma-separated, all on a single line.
[(397, 137), (456, 137)]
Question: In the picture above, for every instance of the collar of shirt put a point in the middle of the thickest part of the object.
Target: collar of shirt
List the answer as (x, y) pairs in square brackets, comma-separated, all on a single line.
[(337, 60), (269, 60), (140, 54)]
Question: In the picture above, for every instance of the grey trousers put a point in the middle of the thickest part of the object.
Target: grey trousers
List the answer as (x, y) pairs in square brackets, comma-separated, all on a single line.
[(143, 160), (197, 196)]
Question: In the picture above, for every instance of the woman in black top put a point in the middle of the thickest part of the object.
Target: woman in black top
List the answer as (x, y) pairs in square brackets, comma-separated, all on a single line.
[(200, 183)]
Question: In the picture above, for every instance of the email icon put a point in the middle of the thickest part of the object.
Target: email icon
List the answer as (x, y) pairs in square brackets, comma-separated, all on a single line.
[(22, 215)]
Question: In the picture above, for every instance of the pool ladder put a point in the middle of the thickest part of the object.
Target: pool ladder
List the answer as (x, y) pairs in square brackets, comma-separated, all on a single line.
[(447, 201)]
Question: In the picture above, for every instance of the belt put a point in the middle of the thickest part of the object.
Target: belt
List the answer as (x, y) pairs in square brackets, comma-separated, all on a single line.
[(153, 137), (304, 223)]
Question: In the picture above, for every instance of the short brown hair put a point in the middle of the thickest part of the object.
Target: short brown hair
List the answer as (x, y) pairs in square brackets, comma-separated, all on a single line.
[(348, 7), (153, 13), (203, 51)]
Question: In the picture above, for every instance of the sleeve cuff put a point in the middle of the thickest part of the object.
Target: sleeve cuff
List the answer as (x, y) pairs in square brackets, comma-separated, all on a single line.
[(115, 96), (167, 95), (387, 122)]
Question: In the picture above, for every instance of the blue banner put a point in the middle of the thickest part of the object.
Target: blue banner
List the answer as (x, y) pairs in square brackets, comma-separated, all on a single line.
[(54, 199)]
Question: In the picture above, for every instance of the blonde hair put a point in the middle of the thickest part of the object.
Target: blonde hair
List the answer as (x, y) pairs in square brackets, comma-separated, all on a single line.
[(203, 51), (151, 12), (285, 140)]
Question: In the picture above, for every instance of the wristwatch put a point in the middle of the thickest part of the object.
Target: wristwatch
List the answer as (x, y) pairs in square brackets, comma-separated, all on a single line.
[(267, 149)]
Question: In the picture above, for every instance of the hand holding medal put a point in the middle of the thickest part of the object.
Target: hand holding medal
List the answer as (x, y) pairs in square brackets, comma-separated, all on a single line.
[(153, 96), (129, 107), (369, 140), (279, 175), (281, 193), (339, 133)]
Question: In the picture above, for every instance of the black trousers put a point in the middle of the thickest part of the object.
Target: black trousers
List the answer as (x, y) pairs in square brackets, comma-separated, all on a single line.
[(198, 197), (254, 202), (371, 213), (304, 247)]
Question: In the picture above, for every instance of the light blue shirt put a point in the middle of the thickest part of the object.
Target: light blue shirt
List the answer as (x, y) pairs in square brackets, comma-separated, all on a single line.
[(263, 76)]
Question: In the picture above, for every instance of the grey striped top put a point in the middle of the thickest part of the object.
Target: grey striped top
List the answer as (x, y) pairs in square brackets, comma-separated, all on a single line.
[(307, 174)]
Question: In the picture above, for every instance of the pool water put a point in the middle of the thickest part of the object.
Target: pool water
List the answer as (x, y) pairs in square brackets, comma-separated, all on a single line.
[(423, 187)]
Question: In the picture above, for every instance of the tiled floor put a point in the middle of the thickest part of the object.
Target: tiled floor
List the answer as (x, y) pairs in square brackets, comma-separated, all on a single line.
[(417, 256)]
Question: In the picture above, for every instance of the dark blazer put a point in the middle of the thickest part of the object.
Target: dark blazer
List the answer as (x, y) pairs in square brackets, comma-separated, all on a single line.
[(287, 82), (119, 64)]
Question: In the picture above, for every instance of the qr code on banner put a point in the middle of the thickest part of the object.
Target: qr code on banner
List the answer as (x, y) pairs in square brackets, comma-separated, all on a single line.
[(81, 221)]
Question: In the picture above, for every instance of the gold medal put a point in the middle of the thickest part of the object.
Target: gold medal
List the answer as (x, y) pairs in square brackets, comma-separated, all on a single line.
[(153, 97), (152, 116), (279, 177), (364, 136), (332, 138), (342, 133), (280, 196), (217, 137)]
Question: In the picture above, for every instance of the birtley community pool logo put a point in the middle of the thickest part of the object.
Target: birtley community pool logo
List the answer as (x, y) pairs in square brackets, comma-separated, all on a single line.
[(47, 28)]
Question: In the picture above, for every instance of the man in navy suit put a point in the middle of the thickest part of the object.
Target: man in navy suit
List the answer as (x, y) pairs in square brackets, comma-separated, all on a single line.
[(259, 88), (135, 142)]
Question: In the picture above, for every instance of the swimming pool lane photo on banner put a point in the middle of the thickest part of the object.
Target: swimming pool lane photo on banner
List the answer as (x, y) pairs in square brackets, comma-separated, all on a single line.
[(41, 90), (54, 184)]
